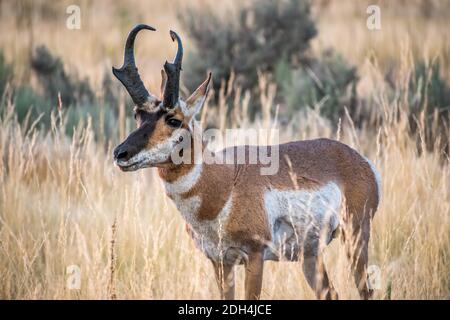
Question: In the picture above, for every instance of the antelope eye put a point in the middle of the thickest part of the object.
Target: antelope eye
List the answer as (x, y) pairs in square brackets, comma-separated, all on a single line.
[(173, 122)]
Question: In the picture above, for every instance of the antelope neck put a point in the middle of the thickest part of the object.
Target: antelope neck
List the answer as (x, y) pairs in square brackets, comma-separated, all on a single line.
[(173, 172)]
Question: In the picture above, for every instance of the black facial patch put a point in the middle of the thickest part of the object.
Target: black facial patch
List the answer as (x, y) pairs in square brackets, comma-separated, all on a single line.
[(138, 139)]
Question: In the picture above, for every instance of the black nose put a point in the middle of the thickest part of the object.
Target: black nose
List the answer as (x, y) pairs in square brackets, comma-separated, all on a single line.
[(123, 155), (120, 154)]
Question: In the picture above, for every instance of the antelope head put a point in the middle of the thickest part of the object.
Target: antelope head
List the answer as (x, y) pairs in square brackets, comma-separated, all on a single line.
[(161, 122)]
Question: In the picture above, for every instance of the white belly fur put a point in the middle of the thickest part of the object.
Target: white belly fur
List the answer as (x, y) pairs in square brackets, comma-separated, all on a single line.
[(301, 219)]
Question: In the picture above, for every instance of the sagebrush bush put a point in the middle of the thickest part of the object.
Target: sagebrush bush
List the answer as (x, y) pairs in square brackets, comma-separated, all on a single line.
[(255, 39), (428, 89), (327, 82), (55, 80), (270, 37), (5, 73), (79, 104), (27, 101), (429, 102)]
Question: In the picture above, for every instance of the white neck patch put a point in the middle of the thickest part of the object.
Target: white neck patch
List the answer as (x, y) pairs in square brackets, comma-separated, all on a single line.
[(184, 183)]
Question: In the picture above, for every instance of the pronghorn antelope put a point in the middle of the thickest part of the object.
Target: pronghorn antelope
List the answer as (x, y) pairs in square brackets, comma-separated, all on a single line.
[(238, 216)]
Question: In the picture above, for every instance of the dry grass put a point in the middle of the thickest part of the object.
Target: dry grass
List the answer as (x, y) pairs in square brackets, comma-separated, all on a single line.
[(60, 196), (62, 202)]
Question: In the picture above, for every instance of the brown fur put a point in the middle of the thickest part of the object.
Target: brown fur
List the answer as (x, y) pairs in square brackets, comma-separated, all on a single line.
[(303, 165), (312, 164)]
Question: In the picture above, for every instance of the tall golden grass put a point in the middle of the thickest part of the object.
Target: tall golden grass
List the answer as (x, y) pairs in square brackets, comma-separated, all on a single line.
[(62, 202)]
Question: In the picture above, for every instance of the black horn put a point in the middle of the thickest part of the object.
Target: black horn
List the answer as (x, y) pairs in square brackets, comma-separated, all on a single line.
[(172, 88), (128, 73)]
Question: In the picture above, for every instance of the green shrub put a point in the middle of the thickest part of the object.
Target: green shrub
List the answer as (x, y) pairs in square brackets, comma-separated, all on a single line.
[(271, 37), (5, 73), (78, 101), (255, 39), (429, 102), (54, 80), (26, 100), (328, 82), (104, 124), (427, 89), (110, 91)]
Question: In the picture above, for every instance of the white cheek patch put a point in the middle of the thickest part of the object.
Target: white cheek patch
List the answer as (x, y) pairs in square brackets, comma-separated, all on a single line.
[(154, 155), (157, 154)]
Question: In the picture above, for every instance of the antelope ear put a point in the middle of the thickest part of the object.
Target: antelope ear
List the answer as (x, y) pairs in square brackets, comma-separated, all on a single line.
[(195, 102)]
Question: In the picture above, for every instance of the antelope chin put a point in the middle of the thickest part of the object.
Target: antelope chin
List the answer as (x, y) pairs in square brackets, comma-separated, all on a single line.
[(130, 167)]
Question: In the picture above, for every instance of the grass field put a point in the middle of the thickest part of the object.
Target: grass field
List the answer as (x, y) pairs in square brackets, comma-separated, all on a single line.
[(63, 202)]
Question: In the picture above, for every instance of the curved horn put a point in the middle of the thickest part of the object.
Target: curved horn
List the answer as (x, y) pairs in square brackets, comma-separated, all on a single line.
[(172, 88), (128, 73)]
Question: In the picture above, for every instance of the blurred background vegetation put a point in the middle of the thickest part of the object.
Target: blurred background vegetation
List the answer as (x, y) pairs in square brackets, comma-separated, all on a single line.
[(313, 53), (311, 69)]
